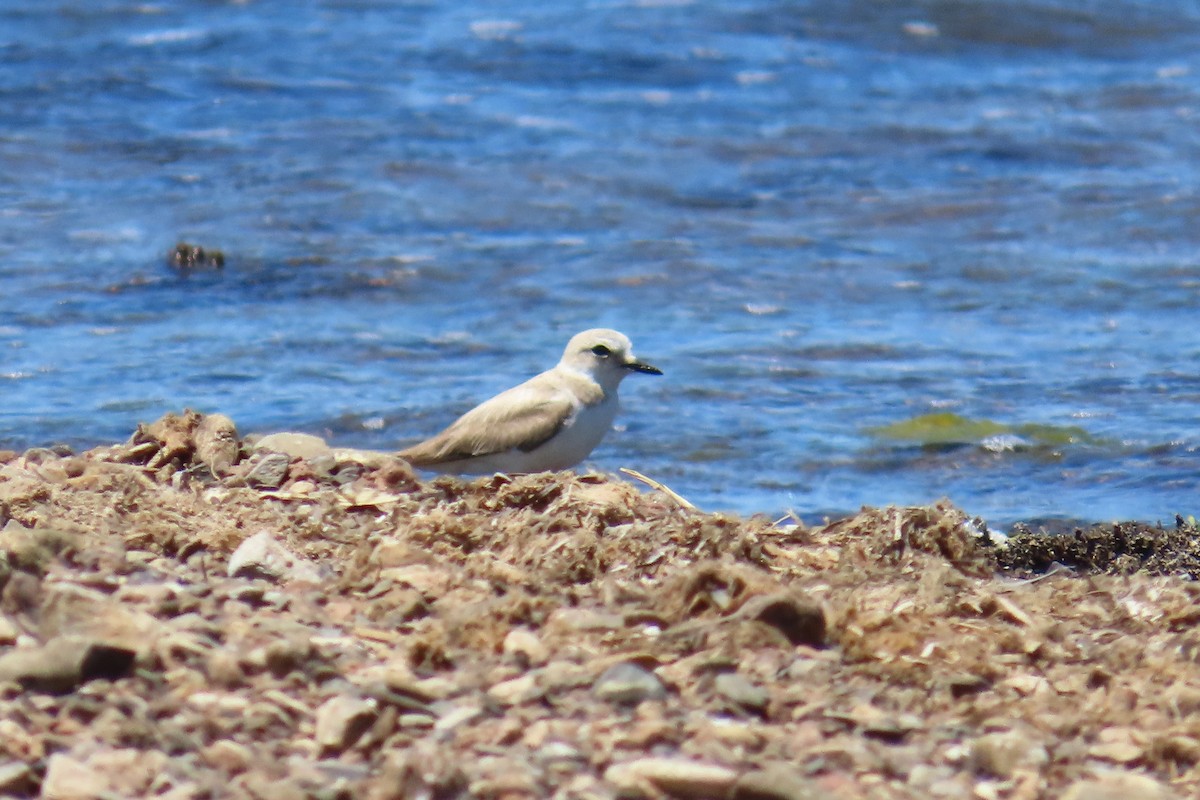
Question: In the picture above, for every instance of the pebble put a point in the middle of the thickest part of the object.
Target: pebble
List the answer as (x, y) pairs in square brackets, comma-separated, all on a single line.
[(264, 556), (282, 656), (330, 469), (269, 470), (584, 619), (675, 776), (998, 755), (121, 772), (1118, 786), (415, 720), (558, 751), (740, 691), (455, 716), (228, 756), (293, 445), (342, 719), (70, 779), (515, 690), (223, 669), (627, 683), (74, 467), (525, 644)]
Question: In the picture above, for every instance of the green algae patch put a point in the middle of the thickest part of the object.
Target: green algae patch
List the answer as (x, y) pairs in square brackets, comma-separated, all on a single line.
[(946, 428)]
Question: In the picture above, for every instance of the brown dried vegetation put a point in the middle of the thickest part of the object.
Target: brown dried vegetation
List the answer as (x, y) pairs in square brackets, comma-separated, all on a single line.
[(552, 635)]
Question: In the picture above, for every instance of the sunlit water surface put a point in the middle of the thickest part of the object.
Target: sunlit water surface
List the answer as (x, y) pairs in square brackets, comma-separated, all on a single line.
[(820, 219)]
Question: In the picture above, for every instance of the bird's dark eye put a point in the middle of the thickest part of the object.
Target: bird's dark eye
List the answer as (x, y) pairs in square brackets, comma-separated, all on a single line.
[(602, 351)]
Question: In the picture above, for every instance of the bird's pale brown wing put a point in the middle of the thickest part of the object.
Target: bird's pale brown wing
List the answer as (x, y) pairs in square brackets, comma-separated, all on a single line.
[(519, 419)]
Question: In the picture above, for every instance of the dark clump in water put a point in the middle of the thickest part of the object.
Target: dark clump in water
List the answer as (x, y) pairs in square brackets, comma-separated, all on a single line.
[(188, 257), (1119, 548)]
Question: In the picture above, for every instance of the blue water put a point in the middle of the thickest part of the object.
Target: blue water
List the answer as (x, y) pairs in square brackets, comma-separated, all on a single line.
[(816, 217)]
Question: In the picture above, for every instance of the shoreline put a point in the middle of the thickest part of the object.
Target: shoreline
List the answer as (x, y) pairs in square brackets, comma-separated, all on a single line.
[(186, 617)]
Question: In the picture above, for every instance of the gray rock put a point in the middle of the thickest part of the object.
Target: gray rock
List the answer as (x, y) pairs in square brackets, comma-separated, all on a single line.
[(269, 471), (628, 684), (341, 720), (264, 556), (295, 445), (741, 692)]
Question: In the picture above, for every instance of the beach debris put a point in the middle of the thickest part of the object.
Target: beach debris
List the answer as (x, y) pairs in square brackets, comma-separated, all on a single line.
[(188, 257), (626, 683), (264, 556), (358, 632)]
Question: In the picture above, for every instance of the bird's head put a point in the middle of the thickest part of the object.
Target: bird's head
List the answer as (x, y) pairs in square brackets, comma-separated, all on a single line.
[(604, 355)]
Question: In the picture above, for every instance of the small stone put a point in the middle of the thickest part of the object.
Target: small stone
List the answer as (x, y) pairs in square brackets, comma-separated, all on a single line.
[(294, 445), (269, 470), (287, 654), (627, 683), (415, 721), (68, 778), (998, 755), (514, 691), (675, 776), (223, 669), (263, 784), (74, 467), (454, 716), (740, 691), (524, 643), (341, 720), (121, 772), (264, 556), (228, 756), (558, 751), (1118, 786), (584, 619)]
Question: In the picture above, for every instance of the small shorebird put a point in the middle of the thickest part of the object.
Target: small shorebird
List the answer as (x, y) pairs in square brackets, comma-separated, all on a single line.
[(550, 422)]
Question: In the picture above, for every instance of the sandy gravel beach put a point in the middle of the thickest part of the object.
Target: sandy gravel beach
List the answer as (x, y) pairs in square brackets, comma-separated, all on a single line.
[(192, 615)]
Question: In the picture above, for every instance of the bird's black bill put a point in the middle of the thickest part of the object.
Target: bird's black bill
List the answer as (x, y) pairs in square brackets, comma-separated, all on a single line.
[(638, 366)]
